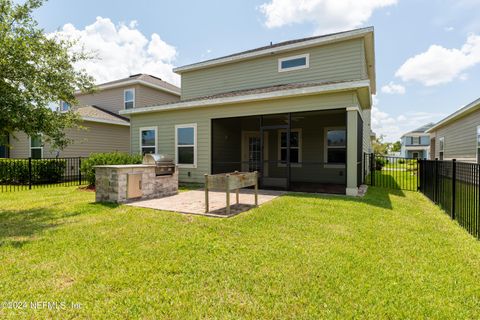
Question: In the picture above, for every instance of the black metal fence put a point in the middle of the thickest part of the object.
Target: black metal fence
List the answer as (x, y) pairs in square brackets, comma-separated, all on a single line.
[(391, 172), (454, 186), (24, 174)]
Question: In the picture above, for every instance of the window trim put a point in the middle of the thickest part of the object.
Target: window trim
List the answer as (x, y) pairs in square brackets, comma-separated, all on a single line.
[(306, 66), (441, 151), (125, 101), (61, 106), (140, 138), (30, 147), (195, 145), (300, 149), (326, 147)]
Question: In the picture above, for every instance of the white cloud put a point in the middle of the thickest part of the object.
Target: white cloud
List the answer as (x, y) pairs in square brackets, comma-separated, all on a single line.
[(393, 88), (448, 29), (393, 127), (122, 50), (440, 65), (326, 15)]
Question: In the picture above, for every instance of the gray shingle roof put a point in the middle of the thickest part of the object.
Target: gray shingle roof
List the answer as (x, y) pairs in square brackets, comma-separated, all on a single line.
[(97, 113), (147, 78)]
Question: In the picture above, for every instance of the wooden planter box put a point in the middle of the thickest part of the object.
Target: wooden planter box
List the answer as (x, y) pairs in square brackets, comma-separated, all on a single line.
[(228, 182)]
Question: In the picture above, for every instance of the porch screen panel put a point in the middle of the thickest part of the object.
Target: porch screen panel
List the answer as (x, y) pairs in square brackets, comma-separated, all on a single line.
[(360, 166)]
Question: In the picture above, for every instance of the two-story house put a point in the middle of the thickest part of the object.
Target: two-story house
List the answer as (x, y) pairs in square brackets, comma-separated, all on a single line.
[(297, 111), (416, 143), (458, 135), (104, 129)]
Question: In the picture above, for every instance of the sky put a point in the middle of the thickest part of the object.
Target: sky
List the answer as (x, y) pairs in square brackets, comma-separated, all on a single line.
[(427, 51)]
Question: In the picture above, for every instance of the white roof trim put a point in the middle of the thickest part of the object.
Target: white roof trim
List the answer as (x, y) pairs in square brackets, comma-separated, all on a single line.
[(119, 122), (303, 44), (457, 114), (342, 86), (133, 82)]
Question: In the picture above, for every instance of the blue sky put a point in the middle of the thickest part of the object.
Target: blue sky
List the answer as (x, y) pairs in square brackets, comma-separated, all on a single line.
[(427, 52)]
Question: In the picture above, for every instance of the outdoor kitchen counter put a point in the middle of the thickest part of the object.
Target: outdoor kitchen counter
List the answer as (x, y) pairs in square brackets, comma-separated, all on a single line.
[(131, 182)]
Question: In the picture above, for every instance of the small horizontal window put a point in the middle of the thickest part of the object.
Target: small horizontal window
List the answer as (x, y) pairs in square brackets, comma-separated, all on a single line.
[(293, 63)]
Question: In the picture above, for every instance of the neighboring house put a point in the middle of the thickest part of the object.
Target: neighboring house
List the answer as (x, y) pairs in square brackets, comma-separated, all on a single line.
[(416, 143), (458, 135), (105, 129), (297, 111)]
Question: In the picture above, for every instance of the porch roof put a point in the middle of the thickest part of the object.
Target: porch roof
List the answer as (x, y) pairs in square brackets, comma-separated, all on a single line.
[(256, 94)]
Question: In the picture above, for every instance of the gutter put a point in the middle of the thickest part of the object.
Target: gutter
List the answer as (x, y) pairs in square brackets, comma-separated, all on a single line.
[(337, 87)]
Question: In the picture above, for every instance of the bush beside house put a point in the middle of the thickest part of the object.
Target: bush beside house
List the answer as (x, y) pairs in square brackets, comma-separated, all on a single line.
[(112, 158), (17, 171)]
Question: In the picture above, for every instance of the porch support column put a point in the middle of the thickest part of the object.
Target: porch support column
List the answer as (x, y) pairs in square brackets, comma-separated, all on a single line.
[(351, 165)]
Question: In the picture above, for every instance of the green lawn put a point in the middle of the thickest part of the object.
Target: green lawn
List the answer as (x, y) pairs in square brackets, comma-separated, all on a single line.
[(388, 255)]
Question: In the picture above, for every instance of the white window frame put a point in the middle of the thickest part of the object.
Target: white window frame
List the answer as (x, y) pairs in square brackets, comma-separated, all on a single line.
[(441, 143), (279, 153), (125, 101), (140, 138), (306, 66), (418, 141), (30, 145), (195, 144), (326, 147)]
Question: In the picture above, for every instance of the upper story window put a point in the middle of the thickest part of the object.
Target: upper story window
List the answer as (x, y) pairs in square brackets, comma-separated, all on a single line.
[(441, 143), (129, 98), (294, 63), (415, 140), (64, 106)]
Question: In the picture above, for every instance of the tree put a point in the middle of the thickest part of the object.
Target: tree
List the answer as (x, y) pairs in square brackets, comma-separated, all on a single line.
[(380, 147), (396, 146), (35, 70)]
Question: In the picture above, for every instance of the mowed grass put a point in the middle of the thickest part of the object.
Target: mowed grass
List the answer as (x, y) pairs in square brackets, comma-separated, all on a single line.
[(388, 255)]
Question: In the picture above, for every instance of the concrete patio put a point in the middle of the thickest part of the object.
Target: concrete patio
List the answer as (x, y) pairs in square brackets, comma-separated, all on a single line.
[(193, 202)]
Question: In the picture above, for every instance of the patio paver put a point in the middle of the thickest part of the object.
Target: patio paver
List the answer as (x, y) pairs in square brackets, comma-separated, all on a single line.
[(193, 202)]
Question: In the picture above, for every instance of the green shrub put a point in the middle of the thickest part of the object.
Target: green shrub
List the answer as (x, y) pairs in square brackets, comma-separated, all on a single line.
[(380, 163), (96, 159), (16, 171), (401, 161)]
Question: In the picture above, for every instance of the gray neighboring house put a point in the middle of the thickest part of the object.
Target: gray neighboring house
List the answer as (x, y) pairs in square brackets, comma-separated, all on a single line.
[(296, 111), (458, 135), (105, 129), (416, 143)]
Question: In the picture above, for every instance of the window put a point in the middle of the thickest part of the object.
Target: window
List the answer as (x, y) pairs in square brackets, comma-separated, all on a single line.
[(441, 142), (148, 140), (478, 144), (336, 145), (295, 146), (186, 145), (36, 147), (294, 63), (64, 106), (129, 98), (415, 140)]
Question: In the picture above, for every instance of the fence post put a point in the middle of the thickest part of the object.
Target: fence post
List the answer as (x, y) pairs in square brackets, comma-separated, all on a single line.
[(30, 173), (454, 180), (419, 164), (372, 169), (79, 171)]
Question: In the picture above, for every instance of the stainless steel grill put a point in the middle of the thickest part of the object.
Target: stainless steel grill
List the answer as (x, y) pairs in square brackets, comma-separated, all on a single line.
[(164, 164)]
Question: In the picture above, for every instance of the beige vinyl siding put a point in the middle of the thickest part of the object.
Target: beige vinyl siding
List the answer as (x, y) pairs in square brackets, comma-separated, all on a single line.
[(97, 137), (112, 99), (166, 121), (146, 96), (460, 138), (334, 62)]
